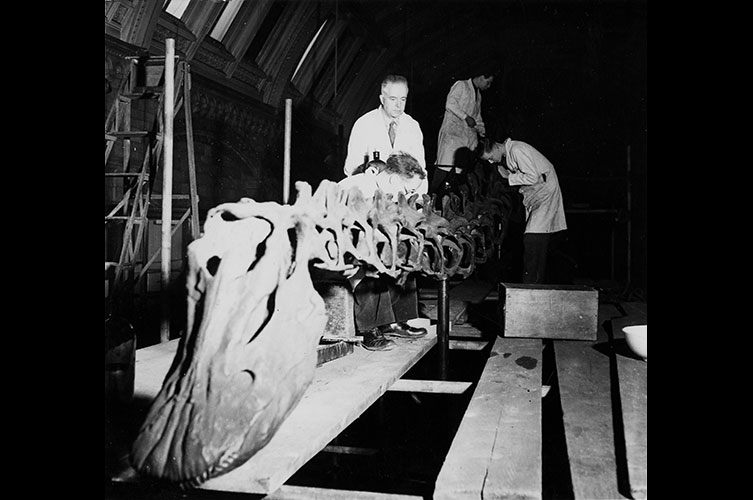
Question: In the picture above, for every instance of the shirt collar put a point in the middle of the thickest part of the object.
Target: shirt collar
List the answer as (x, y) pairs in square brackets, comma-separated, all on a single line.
[(388, 119), (507, 144)]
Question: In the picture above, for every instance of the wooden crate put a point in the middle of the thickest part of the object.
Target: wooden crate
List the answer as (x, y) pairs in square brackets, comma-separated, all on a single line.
[(549, 311)]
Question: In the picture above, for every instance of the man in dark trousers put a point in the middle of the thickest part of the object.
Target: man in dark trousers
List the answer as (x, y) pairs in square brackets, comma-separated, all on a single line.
[(522, 165)]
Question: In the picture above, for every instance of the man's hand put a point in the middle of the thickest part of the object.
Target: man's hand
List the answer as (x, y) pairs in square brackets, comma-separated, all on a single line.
[(470, 121)]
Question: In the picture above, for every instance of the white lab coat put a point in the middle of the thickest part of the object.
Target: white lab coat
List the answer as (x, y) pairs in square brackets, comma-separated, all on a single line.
[(542, 199), (463, 100), (370, 134)]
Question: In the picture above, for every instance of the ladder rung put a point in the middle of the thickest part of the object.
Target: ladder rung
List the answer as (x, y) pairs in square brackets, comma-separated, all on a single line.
[(174, 197), (122, 217), (128, 134), (121, 174), (145, 93), (150, 58), (173, 222)]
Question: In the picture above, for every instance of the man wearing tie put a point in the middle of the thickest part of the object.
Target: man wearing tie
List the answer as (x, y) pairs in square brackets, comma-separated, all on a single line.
[(387, 129)]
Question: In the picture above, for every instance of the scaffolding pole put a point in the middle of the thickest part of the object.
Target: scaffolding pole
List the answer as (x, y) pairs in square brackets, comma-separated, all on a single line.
[(286, 164), (167, 188)]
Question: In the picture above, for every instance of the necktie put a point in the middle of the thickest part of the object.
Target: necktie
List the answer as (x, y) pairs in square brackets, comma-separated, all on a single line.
[(391, 132)]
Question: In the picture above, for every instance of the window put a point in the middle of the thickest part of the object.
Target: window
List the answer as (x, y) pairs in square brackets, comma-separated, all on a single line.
[(176, 7), (226, 19), (262, 34), (306, 52)]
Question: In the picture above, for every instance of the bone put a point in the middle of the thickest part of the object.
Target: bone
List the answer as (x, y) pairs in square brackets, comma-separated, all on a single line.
[(255, 319)]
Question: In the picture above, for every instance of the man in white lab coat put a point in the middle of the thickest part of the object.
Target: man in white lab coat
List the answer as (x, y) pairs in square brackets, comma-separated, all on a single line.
[(522, 165), (461, 126), (386, 129)]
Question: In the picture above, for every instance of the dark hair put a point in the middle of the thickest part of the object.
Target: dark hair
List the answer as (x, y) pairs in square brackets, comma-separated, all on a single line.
[(378, 164), (484, 146), (404, 165), (498, 130), (490, 66)]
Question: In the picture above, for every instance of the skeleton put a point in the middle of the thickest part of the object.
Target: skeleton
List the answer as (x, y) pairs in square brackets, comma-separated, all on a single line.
[(254, 319)]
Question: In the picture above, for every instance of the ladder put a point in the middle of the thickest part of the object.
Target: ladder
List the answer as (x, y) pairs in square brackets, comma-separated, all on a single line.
[(130, 181)]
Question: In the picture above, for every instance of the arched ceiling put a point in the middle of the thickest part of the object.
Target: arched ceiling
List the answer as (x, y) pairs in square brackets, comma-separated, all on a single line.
[(571, 74), (568, 71)]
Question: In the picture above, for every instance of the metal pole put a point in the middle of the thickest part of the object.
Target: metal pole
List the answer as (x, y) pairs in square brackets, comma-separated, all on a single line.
[(167, 188), (443, 327), (286, 166), (629, 222)]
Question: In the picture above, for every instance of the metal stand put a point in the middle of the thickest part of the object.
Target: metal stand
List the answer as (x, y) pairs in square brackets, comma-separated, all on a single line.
[(443, 327)]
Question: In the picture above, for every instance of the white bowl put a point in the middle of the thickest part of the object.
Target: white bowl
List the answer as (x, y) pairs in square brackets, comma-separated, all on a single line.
[(636, 337)]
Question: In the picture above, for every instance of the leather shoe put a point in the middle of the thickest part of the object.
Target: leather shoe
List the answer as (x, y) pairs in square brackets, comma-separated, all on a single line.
[(374, 340), (402, 329)]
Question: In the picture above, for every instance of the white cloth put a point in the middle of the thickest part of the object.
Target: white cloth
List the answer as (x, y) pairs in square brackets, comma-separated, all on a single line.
[(370, 133), (365, 182), (542, 199), (463, 100)]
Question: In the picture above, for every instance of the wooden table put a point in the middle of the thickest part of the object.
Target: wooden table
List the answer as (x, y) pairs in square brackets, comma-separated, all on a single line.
[(602, 387), (341, 391)]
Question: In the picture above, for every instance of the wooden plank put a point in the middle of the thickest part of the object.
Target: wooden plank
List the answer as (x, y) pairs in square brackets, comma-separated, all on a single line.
[(429, 386), (583, 373), (430, 310), (341, 390), (496, 452), (122, 174), (467, 292), (328, 352), (468, 345), (130, 134), (633, 381), (632, 374), (515, 469), (465, 331), (308, 493)]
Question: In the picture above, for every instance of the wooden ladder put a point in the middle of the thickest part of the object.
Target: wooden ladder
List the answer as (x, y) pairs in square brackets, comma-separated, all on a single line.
[(144, 80)]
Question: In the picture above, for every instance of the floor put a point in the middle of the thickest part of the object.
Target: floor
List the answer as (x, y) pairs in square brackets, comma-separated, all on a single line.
[(398, 445)]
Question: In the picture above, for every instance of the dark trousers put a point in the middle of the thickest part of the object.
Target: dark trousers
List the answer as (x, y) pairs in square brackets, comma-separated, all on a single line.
[(442, 182), (535, 252), (380, 301), (454, 178), (539, 266)]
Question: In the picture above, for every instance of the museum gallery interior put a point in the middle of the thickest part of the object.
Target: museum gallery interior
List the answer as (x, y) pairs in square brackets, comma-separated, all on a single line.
[(375, 249)]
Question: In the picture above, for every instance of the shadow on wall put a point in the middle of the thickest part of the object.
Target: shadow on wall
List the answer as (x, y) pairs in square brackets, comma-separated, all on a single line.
[(316, 153), (225, 172)]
